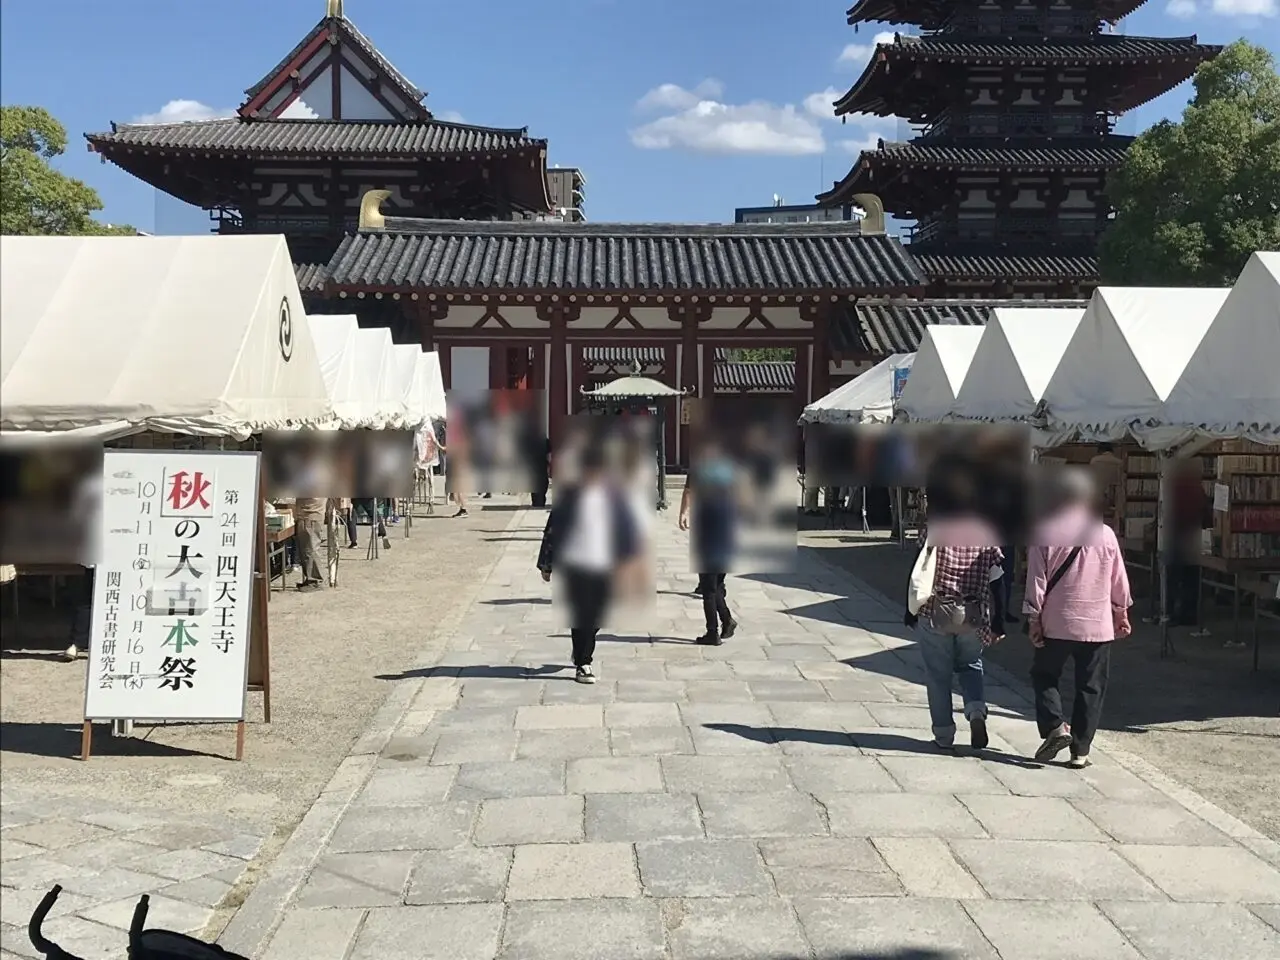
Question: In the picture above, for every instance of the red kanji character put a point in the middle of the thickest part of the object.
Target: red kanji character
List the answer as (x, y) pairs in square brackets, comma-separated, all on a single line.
[(185, 490)]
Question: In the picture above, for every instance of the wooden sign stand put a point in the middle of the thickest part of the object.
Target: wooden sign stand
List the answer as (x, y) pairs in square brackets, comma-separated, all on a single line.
[(259, 673)]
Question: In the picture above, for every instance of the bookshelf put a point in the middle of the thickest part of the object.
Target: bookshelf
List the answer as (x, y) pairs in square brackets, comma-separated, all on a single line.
[(1249, 527)]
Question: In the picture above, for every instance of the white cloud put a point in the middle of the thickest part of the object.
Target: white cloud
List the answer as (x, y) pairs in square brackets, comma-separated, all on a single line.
[(699, 120), (671, 96), (821, 104), (859, 53), (185, 111), (868, 141), (450, 116), (1186, 9)]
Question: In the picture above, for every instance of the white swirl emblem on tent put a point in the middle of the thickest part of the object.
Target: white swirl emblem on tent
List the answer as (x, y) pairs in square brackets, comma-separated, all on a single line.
[(286, 330)]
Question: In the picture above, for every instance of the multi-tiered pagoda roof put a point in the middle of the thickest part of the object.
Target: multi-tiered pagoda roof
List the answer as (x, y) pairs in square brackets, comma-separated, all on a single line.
[(1015, 102)]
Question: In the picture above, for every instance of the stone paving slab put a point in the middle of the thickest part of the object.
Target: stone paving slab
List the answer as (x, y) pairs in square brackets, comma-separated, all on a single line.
[(105, 858), (771, 798)]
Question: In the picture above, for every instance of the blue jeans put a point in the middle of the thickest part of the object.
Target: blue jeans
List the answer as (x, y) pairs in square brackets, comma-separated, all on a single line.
[(948, 655)]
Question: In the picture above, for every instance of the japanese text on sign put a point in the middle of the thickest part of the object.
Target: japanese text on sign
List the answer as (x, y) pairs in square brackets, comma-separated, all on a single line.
[(170, 636)]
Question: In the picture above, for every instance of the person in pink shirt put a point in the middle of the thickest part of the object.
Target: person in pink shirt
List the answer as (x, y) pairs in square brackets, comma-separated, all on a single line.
[(1076, 603)]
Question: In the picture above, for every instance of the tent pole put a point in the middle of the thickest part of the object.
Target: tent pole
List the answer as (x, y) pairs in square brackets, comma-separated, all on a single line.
[(1162, 549)]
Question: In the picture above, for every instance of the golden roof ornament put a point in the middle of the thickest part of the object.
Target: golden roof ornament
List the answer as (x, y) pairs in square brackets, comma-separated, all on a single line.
[(334, 8)]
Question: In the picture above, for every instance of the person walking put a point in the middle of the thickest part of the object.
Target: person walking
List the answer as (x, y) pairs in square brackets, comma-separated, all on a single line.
[(309, 518), (709, 509), (429, 451), (370, 506), (589, 536), (955, 605), (1076, 604)]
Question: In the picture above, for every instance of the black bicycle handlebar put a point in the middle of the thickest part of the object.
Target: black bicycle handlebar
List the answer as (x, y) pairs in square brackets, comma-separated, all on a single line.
[(35, 928)]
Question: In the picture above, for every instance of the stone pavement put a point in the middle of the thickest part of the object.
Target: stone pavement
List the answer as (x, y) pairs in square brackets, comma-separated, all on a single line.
[(769, 799), (105, 858)]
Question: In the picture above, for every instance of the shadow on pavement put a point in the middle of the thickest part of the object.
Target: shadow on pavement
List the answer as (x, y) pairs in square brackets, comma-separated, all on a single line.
[(63, 740), (479, 671)]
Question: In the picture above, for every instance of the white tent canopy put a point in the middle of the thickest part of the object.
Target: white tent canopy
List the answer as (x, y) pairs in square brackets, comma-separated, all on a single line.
[(376, 354), (1231, 385), (1016, 356), (203, 335), (867, 398), (350, 383), (410, 382), (1124, 358), (938, 371), (433, 398)]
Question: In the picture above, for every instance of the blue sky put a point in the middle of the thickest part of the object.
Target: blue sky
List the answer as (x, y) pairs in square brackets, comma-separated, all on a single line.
[(676, 110)]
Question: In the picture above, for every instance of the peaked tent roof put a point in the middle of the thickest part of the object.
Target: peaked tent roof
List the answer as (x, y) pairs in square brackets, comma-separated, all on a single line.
[(375, 352), (938, 371), (203, 335), (1231, 385), (1019, 350), (867, 398), (409, 379), (433, 397), (349, 382), (1131, 346)]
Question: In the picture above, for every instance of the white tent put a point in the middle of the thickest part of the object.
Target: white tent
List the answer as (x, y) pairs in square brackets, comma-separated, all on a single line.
[(433, 386), (938, 371), (376, 355), (1231, 385), (409, 378), (867, 398), (1127, 353), (1016, 356), (201, 335), (351, 384)]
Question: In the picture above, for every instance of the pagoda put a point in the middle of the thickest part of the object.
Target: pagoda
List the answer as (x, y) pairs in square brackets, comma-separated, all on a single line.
[(330, 122), (1015, 103)]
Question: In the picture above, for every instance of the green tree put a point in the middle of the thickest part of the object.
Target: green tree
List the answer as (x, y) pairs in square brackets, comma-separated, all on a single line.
[(1193, 199), (36, 199)]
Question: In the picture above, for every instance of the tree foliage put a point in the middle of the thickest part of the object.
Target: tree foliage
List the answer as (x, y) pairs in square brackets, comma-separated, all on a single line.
[(1193, 199), (35, 198)]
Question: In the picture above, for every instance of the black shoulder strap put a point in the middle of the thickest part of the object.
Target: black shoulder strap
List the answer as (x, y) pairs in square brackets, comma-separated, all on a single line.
[(1061, 571)]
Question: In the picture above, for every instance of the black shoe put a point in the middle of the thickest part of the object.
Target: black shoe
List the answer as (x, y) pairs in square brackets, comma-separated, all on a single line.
[(709, 640), (697, 591), (978, 738), (460, 513), (729, 629), (353, 545)]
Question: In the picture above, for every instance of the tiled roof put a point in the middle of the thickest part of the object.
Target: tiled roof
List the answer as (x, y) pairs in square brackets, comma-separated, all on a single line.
[(623, 258), (619, 355), (881, 328), (971, 267), (311, 277), (351, 33), (762, 375), (922, 94), (996, 158), (1100, 49), (861, 178), (930, 14), (304, 139)]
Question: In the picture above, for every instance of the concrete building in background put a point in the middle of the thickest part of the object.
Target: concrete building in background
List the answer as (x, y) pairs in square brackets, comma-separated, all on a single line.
[(779, 212), (565, 190)]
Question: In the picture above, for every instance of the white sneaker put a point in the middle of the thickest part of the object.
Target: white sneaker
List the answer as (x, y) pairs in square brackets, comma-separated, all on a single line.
[(1201, 632), (1079, 762), (584, 675)]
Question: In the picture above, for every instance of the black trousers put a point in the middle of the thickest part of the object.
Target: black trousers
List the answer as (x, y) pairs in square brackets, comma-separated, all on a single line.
[(367, 504), (715, 605), (1092, 663), (587, 594), (1183, 587)]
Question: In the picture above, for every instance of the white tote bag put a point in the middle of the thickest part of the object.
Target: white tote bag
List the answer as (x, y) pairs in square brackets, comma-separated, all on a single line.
[(920, 586)]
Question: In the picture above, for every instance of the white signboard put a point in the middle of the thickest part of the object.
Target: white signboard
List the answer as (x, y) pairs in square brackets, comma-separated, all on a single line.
[(1221, 497), (173, 593)]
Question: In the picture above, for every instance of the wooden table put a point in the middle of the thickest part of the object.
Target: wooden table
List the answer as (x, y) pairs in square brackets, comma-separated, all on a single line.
[(277, 542), (1235, 569)]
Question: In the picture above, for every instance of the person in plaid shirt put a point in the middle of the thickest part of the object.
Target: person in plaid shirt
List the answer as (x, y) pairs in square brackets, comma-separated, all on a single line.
[(964, 613)]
